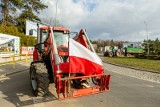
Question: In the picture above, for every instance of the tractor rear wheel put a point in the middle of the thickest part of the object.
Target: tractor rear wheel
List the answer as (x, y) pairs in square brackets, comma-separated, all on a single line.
[(118, 54), (39, 79), (110, 54)]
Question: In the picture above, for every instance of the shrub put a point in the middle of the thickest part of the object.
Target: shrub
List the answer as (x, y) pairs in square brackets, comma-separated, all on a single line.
[(152, 57), (141, 56)]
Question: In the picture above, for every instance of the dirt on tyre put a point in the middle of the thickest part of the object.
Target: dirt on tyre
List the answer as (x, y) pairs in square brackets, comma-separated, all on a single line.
[(39, 79)]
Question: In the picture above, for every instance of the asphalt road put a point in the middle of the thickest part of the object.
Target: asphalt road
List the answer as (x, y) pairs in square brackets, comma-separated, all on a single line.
[(125, 91)]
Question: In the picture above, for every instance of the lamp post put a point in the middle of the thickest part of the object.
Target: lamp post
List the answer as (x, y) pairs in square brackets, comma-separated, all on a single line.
[(56, 13), (147, 38)]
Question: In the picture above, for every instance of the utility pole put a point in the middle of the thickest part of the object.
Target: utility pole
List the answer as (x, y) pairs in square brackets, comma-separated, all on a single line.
[(147, 38), (56, 13)]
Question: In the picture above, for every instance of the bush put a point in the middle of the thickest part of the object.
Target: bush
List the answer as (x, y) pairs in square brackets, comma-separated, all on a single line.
[(12, 30), (152, 57), (157, 57), (140, 56)]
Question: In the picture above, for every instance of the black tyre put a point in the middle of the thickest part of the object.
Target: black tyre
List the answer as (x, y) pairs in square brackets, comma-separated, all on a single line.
[(96, 80), (39, 79), (110, 54)]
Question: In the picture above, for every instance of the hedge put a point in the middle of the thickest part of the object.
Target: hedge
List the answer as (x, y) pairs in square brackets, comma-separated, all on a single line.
[(152, 57)]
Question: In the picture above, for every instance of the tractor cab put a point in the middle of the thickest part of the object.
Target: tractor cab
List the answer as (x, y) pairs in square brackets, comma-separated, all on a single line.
[(61, 38)]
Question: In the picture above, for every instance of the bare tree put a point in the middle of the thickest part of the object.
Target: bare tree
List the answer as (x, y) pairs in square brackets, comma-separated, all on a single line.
[(51, 21)]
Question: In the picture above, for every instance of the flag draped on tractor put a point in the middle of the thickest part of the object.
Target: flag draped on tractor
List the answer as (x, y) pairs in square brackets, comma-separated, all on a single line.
[(80, 56)]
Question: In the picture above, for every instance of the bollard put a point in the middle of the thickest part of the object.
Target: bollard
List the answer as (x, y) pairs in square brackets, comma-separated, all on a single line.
[(26, 58), (13, 61)]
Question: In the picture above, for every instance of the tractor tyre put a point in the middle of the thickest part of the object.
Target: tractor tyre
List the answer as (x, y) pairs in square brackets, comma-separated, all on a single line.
[(39, 79), (110, 54), (118, 54)]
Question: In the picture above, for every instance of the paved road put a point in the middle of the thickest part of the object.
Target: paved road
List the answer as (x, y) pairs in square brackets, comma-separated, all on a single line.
[(13, 67), (125, 91)]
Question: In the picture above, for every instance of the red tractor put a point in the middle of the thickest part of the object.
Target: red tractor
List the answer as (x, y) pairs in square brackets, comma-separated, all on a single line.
[(53, 62)]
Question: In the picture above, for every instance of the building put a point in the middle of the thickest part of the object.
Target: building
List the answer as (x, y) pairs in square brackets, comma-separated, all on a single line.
[(31, 28), (94, 46)]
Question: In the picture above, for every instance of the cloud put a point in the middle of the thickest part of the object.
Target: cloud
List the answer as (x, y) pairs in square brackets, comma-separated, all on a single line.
[(68, 13), (108, 19)]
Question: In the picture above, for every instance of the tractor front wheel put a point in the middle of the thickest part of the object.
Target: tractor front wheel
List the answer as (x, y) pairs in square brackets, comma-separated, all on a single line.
[(39, 79)]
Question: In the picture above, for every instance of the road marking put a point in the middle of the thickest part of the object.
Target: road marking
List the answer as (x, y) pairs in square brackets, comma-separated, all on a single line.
[(38, 102)]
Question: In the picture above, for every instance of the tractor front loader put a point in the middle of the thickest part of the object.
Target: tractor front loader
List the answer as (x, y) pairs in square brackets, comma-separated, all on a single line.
[(53, 62)]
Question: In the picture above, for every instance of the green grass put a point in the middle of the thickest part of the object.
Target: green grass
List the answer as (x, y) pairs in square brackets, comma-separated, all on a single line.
[(145, 64)]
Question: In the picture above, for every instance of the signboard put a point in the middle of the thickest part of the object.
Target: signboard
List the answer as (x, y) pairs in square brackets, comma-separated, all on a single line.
[(9, 44), (27, 50), (30, 50)]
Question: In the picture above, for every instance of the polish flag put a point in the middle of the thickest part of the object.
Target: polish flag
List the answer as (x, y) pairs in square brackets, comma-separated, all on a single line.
[(82, 60)]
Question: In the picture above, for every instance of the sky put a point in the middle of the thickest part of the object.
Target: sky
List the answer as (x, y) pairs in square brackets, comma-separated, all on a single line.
[(108, 19)]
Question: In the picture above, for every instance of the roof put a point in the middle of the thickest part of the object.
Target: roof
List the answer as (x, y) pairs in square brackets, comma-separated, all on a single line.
[(54, 28)]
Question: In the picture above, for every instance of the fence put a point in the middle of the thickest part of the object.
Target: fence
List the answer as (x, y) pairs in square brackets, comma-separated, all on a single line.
[(14, 59)]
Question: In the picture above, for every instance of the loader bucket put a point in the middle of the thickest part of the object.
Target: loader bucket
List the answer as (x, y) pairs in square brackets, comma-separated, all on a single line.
[(69, 92)]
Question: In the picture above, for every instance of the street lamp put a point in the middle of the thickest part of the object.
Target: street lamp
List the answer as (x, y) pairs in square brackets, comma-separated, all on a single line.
[(147, 38), (56, 13)]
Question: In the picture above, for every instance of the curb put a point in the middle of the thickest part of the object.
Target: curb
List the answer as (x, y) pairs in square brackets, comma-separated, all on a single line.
[(151, 71), (11, 73)]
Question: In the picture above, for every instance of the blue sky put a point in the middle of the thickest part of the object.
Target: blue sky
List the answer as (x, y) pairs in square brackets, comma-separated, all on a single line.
[(90, 5)]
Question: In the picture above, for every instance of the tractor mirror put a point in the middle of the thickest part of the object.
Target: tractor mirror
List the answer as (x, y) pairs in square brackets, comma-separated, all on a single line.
[(39, 46)]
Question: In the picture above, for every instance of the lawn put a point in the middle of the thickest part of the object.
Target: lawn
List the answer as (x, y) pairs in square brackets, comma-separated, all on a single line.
[(145, 64)]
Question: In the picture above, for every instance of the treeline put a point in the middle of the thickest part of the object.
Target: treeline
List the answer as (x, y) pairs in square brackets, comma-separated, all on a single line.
[(103, 43), (14, 15), (154, 46)]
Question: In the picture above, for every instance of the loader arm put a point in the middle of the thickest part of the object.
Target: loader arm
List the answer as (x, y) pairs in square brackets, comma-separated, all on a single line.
[(81, 39)]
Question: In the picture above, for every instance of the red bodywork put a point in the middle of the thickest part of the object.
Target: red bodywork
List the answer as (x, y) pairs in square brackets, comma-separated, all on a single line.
[(82, 39), (63, 85), (35, 55)]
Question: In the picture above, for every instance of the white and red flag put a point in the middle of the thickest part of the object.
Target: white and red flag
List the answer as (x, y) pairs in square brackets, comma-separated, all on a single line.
[(82, 60)]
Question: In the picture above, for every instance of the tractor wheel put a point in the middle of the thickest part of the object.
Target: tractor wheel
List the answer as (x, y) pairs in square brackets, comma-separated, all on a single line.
[(118, 54), (110, 54), (39, 79)]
